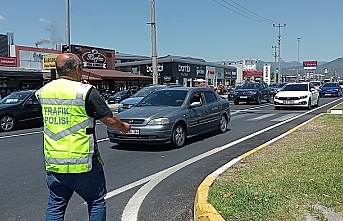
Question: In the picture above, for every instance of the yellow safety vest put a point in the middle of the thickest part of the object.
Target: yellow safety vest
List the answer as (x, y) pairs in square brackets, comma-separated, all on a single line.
[(68, 143)]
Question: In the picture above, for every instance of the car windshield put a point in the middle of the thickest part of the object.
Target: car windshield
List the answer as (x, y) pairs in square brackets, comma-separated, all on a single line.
[(14, 98), (295, 87), (316, 83), (330, 85), (281, 85), (145, 91), (250, 86), (164, 98), (120, 93)]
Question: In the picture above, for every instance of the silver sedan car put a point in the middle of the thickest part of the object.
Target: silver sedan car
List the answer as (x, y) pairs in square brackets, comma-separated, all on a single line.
[(171, 115)]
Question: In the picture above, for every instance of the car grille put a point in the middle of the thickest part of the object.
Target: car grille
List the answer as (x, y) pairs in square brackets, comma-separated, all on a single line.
[(288, 98), (133, 121)]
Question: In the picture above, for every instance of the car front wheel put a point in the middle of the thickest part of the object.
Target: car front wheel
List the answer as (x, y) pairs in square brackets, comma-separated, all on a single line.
[(178, 138), (7, 123)]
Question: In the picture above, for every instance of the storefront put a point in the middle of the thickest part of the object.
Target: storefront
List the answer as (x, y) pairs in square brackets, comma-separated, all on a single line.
[(15, 79), (185, 71)]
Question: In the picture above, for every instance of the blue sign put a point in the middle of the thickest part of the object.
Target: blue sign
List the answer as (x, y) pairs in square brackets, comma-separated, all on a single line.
[(276, 70)]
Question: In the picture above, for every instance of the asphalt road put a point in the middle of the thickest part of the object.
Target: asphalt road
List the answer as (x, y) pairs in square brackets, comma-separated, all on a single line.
[(144, 183)]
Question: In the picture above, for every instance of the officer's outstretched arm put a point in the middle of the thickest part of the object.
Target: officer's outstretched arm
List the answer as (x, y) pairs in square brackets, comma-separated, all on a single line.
[(113, 122)]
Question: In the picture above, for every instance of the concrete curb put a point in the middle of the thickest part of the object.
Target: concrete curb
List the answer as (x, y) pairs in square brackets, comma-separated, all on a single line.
[(334, 111), (204, 211)]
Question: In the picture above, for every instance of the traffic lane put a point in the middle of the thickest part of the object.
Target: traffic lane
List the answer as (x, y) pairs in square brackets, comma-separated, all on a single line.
[(146, 160), (77, 202)]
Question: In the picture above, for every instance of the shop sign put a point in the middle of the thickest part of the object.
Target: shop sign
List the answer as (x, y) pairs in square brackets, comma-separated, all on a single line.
[(159, 68), (49, 61), (266, 73), (37, 56), (167, 78), (7, 61), (200, 71), (184, 68), (94, 59)]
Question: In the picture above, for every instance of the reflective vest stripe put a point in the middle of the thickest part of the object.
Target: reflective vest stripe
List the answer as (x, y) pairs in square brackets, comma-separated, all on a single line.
[(53, 101), (89, 122), (81, 91), (65, 161)]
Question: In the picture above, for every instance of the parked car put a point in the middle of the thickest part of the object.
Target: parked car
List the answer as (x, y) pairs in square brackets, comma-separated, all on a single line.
[(18, 108), (134, 99), (253, 91), (232, 92), (112, 99), (330, 89), (297, 95), (171, 115), (341, 84), (121, 95)]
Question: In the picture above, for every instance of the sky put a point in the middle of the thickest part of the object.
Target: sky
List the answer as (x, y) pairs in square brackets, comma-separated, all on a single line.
[(214, 30)]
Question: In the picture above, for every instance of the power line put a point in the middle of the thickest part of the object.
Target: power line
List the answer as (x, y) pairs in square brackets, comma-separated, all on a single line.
[(246, 15), (251, 12)]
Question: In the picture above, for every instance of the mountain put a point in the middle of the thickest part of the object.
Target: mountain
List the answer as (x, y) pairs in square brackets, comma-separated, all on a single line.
[(335, 67)]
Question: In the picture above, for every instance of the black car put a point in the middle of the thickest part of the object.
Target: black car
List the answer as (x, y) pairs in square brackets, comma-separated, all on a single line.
[(253, 91), (121, 95), (232, 92), (18, 108)]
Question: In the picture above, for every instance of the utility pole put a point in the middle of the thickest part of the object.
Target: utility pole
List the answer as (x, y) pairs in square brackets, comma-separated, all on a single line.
[(67, 34), (279, 46), (275, 56), (153, 41), (298, 39)]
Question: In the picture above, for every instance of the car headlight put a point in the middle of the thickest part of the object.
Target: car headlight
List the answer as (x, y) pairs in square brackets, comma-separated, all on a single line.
[(303, 97), (236, 92), (335, 90), (159, 121), (276, 97), (130, 105), (253, 92), (120, 105)]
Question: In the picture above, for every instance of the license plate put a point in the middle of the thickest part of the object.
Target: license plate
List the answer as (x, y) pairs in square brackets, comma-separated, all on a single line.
[(136, 132), (243, 97), (327, 94), (288, 102)]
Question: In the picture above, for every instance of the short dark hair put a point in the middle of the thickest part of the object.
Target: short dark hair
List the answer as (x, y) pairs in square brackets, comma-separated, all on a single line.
[(68, 67)]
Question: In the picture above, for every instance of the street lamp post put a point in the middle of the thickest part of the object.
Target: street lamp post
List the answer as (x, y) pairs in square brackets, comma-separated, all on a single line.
[(153, 41), (67, 34), (298, 39)]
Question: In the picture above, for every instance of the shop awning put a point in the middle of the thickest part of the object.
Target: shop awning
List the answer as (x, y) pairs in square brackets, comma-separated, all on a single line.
[(113, 74), (252, 73)]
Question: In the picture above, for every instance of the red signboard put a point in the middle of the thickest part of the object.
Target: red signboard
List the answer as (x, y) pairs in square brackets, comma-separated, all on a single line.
[(310, 63), (9, 62)]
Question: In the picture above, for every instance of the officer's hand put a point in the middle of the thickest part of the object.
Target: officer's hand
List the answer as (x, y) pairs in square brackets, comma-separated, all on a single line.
[(125, 128)]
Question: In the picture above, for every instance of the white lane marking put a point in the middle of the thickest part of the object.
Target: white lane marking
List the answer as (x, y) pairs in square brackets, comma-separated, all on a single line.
[(284, 117), (241, 116), (251, 108), (19, 135), (260, 117), (135, 202)]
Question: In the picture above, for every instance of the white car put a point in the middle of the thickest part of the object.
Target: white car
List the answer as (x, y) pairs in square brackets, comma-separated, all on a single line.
[(297, 95)]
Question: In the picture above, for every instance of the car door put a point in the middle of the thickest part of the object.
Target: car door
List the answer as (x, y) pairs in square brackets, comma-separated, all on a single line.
[(31, 110), (265, 90), (214, 109), (197, 113)]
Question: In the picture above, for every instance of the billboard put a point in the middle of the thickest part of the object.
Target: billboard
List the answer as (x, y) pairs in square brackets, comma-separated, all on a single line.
[(4, 46), (310, 65), (266, 73), (49, 61)]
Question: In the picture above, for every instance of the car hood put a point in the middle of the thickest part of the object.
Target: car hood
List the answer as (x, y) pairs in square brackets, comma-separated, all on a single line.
[(147, 112), (292, 93), (132, 100), (244, 90)]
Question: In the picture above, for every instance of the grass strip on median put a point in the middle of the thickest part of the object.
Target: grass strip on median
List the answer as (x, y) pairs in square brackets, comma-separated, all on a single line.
[(285, 180)]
